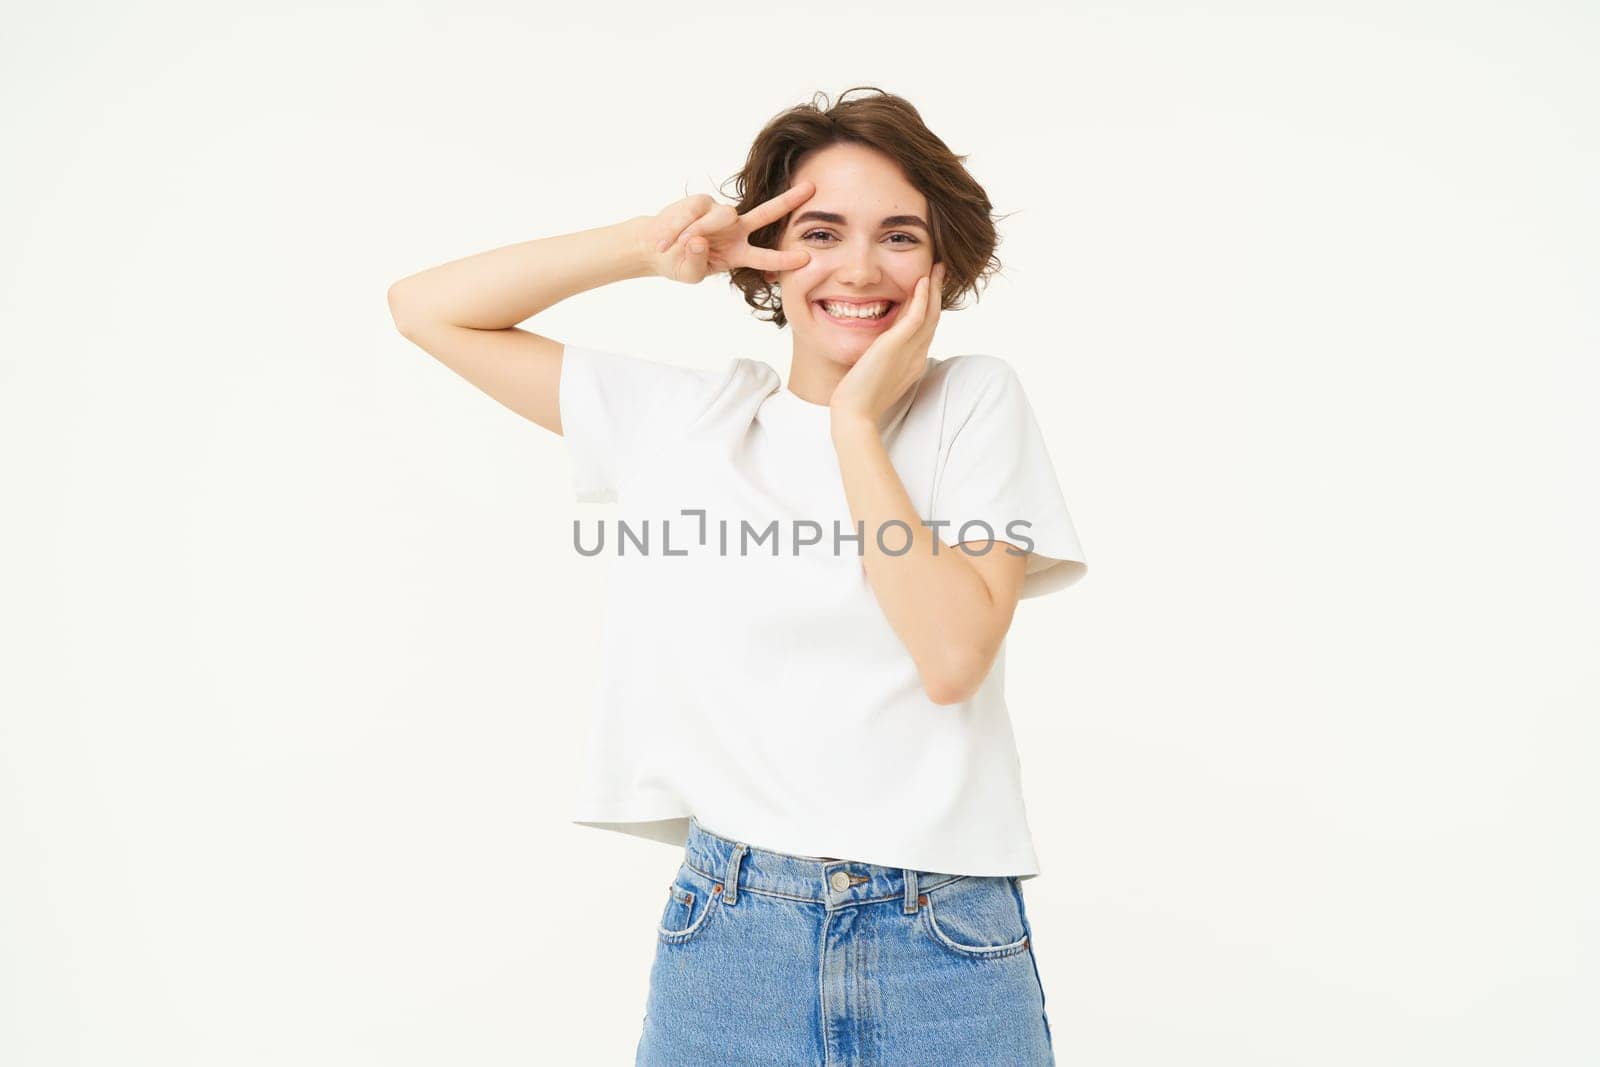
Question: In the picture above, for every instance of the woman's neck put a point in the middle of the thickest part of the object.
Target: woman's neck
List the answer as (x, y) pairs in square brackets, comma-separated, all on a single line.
[(813, 378)]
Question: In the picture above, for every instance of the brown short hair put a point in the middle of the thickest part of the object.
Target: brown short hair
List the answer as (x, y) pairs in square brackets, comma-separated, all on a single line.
[(959, 212)]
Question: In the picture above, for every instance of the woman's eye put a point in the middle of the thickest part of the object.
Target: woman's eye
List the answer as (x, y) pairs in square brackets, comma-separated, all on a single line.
[(909, 240)]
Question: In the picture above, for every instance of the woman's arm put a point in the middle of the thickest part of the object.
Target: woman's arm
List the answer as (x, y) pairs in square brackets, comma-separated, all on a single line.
[(464, 313), (497, 289), (951, 610)]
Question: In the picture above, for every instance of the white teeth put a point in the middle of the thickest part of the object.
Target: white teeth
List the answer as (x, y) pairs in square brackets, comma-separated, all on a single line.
[(851, 311)]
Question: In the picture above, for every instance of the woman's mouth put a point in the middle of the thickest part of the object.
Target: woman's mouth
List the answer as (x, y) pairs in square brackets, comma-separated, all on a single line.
[(858, 316)]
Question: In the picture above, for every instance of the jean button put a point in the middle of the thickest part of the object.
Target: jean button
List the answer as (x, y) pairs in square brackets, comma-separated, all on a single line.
[(841, 881)]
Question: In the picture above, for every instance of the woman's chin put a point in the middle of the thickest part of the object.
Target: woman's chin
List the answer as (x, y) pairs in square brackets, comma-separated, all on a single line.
[(850, 349), (845, 351)]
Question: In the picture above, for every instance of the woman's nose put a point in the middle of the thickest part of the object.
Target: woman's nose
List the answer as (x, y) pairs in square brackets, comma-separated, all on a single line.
[(860, 266)]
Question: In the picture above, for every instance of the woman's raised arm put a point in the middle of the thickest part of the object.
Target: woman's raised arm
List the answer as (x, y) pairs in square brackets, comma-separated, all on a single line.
[(464, 313)]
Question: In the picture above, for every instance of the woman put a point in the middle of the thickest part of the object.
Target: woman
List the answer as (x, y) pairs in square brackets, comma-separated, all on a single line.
[(808, 599)]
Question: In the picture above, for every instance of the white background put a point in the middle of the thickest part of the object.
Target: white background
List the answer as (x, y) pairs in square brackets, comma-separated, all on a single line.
[(297, 650)]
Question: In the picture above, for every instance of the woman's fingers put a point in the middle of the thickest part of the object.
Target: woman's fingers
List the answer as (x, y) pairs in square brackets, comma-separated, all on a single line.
[(932, 301), (695, 252), (912, 319), (685, 268), (672, 222), (749, 255), (922, 312), (716, 221), (703, 217), (719, 218), (692, 256), (778, 206), (701, 213)]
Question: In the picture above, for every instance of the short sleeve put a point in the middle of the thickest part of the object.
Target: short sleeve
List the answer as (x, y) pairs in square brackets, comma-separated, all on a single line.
[(615, 406), (996, 469)]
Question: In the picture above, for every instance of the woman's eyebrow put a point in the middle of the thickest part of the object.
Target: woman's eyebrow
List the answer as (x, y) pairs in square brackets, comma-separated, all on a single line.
[(838, 220)]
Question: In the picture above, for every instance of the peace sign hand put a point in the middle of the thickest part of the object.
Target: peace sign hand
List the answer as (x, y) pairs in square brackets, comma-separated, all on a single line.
[(697, 236)]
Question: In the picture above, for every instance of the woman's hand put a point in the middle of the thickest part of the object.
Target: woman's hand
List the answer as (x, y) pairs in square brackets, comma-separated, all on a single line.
[(698, 236), (894, 361)]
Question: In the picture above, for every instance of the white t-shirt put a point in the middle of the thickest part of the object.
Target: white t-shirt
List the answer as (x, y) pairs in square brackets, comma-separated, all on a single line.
[(766, 694)]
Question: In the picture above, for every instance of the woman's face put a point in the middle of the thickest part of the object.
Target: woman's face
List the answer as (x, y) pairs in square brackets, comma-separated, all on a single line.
[(869, 243)]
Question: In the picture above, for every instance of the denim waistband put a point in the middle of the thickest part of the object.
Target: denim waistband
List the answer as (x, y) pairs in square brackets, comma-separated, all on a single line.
[(834, 883)]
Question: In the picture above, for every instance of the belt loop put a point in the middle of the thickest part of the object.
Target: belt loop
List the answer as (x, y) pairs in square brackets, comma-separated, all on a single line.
[(730, 892), (910, 905)]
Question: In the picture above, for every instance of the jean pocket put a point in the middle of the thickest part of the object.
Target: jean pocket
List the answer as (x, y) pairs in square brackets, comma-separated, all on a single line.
[(692, 900), (975, 917)]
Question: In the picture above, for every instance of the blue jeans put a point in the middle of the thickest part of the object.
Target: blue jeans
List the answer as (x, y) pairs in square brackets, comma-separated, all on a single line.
[(766, 958)]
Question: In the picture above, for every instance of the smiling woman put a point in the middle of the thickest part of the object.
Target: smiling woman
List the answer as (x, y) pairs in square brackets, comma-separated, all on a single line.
[(865, 652), (956, 217)]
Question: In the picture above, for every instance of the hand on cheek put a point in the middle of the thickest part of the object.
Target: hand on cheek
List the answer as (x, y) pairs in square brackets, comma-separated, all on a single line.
[(897, 358)]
